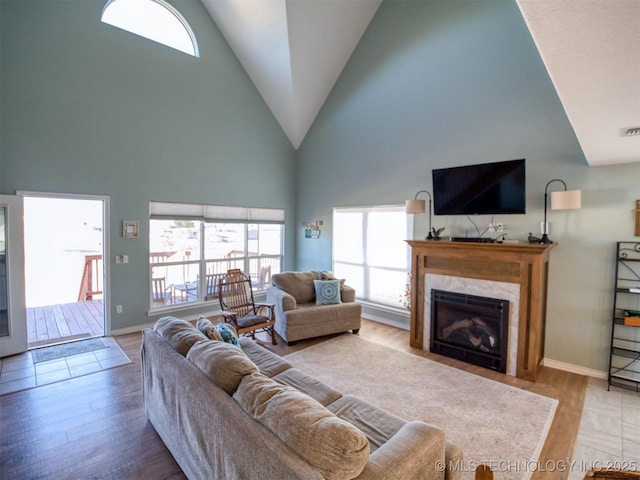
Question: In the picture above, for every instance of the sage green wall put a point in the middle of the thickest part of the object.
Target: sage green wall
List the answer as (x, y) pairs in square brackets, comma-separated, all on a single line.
[(86, 108), (90, 109), (435, 84)]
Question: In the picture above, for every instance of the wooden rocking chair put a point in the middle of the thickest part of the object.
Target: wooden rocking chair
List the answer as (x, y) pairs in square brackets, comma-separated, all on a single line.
[(240, 310)]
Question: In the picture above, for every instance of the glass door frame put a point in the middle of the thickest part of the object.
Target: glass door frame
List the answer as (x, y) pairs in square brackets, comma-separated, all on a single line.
[(16, 341), (106, 295)]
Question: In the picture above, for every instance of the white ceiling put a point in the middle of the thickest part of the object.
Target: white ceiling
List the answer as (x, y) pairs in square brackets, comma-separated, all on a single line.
[(295, 50), (591, 49)]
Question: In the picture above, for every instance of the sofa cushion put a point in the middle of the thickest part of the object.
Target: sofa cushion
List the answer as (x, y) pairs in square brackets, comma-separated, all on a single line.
[(178, 333), (208, 328), (319, 391), (327, 292), (268, 362), (333, 446), (297, 284), (222, 362), (377, 424)]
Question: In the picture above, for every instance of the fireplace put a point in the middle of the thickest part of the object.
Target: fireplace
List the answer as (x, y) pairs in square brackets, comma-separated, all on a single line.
[(470, 328)]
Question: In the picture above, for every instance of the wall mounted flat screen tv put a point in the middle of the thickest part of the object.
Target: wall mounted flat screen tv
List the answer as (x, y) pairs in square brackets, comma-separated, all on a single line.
[(487, 188)]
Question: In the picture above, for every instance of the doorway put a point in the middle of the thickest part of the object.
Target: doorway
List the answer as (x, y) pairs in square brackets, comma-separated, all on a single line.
[(64, 270)]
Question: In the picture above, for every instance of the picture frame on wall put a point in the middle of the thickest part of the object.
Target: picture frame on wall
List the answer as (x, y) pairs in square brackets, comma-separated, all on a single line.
[(130, 228)]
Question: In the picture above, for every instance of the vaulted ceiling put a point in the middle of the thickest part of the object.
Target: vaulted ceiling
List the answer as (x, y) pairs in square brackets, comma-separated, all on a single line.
[(295, 50), (591, 49)]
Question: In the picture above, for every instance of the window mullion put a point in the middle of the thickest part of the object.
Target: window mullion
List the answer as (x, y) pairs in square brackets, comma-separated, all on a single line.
[(202, 287), (247, 262), (366, 282)]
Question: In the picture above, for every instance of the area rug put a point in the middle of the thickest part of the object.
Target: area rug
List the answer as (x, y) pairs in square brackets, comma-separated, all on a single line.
[(54, 352), (492, 423)]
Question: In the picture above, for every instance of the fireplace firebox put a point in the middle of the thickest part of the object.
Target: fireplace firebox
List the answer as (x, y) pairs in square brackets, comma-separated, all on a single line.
[(470, 328)]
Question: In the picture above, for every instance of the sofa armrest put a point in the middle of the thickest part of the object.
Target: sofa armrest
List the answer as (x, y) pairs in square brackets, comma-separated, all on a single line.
[(416, 451), (347, 294), (281, 299)]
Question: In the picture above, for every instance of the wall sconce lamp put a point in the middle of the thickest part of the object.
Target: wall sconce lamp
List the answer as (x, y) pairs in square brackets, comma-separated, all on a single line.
[(416, 206), (312, 229), (561, 200)]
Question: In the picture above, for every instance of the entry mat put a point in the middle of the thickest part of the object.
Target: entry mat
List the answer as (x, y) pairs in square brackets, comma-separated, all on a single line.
[(54, 352)]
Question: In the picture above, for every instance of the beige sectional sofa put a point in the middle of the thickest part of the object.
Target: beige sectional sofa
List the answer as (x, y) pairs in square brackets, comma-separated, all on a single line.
[(298, 314), (245, 413)]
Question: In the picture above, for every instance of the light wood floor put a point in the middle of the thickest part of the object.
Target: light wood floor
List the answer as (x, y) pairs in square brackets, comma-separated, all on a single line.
[(95, 427)]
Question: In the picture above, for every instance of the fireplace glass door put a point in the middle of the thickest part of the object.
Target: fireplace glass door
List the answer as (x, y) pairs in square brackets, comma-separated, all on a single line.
[(470, 328)]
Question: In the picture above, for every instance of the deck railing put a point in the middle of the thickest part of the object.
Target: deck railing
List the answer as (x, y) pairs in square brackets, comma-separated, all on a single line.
[(91, 283)]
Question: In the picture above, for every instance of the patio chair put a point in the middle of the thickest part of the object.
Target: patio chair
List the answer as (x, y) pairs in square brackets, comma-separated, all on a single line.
[(212, 285), (239, 308), (264, 278), (161, 293)]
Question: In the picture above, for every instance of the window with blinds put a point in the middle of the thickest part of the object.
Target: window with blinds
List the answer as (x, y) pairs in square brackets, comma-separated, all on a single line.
[(191, 246)]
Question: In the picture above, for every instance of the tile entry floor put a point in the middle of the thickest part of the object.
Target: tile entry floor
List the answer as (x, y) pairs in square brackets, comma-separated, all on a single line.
[(609, 435), (18, 372)]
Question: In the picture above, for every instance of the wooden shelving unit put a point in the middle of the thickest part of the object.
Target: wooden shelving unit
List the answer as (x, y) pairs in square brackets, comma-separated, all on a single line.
[(624, 359)]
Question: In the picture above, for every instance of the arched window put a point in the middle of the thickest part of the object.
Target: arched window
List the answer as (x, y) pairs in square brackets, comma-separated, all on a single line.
[(152, 19)]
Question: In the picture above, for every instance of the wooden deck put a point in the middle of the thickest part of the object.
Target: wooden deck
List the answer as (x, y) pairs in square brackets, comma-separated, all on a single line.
[(60, 323)]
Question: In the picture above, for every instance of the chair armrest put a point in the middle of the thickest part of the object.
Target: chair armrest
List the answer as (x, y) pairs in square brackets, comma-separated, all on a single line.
[(416, 451), (347, 294), (230, 317), (281, 299), (265, 305), (269, 307)]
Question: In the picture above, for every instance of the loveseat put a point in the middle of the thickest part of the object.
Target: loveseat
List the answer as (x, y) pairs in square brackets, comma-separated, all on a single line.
[(242, 412), (312, 304)]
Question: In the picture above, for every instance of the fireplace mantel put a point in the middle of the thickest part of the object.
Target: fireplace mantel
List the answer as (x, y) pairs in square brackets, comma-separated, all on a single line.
[(524, 264)]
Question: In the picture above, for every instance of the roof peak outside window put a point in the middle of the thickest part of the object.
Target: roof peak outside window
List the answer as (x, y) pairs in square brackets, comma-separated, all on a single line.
[(153, 19)]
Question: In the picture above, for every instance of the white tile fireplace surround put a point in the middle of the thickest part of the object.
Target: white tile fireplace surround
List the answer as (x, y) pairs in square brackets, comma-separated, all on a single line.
[(482, 288)]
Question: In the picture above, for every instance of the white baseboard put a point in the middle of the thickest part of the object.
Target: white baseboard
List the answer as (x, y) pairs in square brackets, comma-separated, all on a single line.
[(134, 329), (139, 328), (568, 367), (385, 321)]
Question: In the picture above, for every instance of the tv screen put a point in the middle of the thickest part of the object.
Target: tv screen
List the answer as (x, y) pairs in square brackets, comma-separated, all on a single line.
[(487, 188)]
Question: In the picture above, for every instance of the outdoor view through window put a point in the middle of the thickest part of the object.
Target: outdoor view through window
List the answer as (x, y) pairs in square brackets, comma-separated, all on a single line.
[(187, 257), (370, 252)]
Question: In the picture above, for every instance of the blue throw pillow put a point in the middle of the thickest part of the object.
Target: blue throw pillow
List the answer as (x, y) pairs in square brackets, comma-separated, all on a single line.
[(228, 333), (327, 292)]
